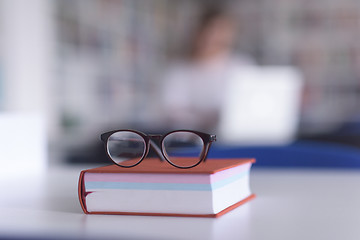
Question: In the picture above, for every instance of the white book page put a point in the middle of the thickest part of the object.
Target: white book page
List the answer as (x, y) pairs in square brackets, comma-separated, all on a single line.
[(231, 193), (150, 201), (165, 201)]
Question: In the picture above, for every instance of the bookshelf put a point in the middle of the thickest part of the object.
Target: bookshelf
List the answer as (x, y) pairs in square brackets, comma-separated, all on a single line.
[(321, 39), (108, 61), (110, 55)]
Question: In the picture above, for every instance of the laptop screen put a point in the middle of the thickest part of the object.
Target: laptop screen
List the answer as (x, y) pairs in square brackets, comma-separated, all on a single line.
[(261, 106)]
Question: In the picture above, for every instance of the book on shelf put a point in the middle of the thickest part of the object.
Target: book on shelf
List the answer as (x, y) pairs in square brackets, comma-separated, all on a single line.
[(156, 188)]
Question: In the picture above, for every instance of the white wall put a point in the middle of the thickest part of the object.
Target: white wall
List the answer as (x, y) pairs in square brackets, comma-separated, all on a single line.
[(28, 53)]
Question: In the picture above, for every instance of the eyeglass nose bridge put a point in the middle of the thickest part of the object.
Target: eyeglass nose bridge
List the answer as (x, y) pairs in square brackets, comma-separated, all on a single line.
[(156, 147), (155, 136)]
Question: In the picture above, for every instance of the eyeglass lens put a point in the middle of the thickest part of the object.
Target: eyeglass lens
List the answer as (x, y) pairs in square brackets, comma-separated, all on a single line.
[(178, 145), (126, 148)]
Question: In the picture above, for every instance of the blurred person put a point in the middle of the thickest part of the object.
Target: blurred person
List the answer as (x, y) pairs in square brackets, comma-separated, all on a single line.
[(194, 88)]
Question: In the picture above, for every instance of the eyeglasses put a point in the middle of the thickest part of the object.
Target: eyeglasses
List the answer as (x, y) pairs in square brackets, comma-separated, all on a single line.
[(127, 148)]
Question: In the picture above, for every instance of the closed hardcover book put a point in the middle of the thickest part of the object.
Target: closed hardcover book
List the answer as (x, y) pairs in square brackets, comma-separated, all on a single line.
[(157, 188)]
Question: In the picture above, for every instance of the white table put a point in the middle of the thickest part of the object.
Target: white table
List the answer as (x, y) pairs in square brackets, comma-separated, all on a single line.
[(290, 204)]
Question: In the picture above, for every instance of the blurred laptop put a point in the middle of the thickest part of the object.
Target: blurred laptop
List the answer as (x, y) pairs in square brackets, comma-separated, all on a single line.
[(262, 106)]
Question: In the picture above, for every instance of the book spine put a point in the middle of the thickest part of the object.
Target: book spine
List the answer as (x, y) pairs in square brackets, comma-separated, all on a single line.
[(81, 192)]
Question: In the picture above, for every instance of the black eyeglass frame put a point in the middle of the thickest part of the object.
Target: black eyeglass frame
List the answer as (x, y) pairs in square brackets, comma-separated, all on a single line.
[(149, 142)]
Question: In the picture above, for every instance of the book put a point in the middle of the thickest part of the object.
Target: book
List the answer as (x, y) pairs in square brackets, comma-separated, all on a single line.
[(156, 188)]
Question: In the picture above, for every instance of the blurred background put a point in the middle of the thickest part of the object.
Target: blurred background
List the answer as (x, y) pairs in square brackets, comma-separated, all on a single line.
[(89, 66)]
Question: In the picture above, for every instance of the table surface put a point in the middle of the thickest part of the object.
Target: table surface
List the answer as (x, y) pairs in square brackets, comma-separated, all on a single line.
[(290, 204)]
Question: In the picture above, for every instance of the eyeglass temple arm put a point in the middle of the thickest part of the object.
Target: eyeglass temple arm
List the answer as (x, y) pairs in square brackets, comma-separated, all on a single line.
[(206, 150), (157, 150)]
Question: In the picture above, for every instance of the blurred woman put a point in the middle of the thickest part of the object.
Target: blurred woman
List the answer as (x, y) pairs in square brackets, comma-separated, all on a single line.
[(194, 87)]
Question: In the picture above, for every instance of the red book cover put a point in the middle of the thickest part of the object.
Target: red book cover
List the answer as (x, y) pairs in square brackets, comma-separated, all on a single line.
[(156, 169)]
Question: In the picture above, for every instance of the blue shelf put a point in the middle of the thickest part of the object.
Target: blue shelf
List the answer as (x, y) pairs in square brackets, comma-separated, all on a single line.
[(299, 154)]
